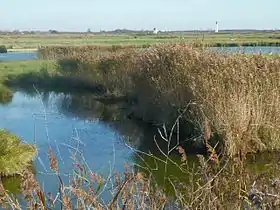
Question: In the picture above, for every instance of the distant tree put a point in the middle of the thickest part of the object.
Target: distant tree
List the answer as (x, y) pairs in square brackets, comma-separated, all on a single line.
[(16, 31), (89, 31), (53, 31)]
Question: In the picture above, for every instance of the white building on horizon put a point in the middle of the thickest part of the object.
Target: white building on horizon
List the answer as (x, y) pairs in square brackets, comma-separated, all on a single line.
[(155, 31), (217, 27)]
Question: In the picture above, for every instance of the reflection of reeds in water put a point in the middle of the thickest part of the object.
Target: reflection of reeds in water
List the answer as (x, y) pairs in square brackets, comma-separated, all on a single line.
[(115, 115)]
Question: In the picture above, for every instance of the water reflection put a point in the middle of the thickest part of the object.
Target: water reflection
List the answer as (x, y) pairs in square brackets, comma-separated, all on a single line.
[(107, 133), (137, 135), (116, 115)]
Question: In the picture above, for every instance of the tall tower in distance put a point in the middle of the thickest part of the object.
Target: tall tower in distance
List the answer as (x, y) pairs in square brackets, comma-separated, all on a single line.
[(217, 27)]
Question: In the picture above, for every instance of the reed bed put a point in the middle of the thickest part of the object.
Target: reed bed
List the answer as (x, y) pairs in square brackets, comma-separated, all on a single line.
[(237, 95), (87, 53)]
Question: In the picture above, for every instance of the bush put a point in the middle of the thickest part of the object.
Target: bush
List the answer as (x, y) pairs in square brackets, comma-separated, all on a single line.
[(3, 49)]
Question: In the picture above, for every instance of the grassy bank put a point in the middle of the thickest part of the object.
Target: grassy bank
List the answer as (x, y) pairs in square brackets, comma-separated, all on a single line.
[(11, 71)]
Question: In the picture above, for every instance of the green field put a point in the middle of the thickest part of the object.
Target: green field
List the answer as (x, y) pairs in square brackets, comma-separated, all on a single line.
[(33, 41)]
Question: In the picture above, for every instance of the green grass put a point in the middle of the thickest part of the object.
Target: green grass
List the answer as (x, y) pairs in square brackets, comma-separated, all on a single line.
[(43, 75)]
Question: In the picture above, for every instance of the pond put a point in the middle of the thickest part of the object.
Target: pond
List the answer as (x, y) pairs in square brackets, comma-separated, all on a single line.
[(18, 56), (65, 123)]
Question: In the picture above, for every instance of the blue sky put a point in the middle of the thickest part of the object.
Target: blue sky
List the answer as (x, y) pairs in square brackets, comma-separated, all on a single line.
[(78, 15)]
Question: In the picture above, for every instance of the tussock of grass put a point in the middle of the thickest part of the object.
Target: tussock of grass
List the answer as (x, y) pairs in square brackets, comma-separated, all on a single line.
[(14, 155)]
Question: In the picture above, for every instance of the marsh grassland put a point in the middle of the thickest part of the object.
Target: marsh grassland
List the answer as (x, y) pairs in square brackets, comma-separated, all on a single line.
[(222, 107)]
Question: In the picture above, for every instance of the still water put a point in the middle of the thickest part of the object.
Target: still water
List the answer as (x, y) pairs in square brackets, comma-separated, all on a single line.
[(54, 120), (39, 121), (66, 123), (18, 56)]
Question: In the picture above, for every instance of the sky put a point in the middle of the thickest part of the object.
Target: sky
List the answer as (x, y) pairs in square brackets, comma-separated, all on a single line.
[(79, 15)]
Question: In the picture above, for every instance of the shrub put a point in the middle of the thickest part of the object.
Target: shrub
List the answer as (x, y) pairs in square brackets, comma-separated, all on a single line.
[(3, 49)]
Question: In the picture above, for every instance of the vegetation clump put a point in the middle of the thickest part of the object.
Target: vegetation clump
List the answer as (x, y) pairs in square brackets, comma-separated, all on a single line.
[(14, 155)]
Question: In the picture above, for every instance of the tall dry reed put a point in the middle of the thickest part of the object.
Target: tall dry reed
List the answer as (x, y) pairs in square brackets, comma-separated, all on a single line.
[(237, 94)]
